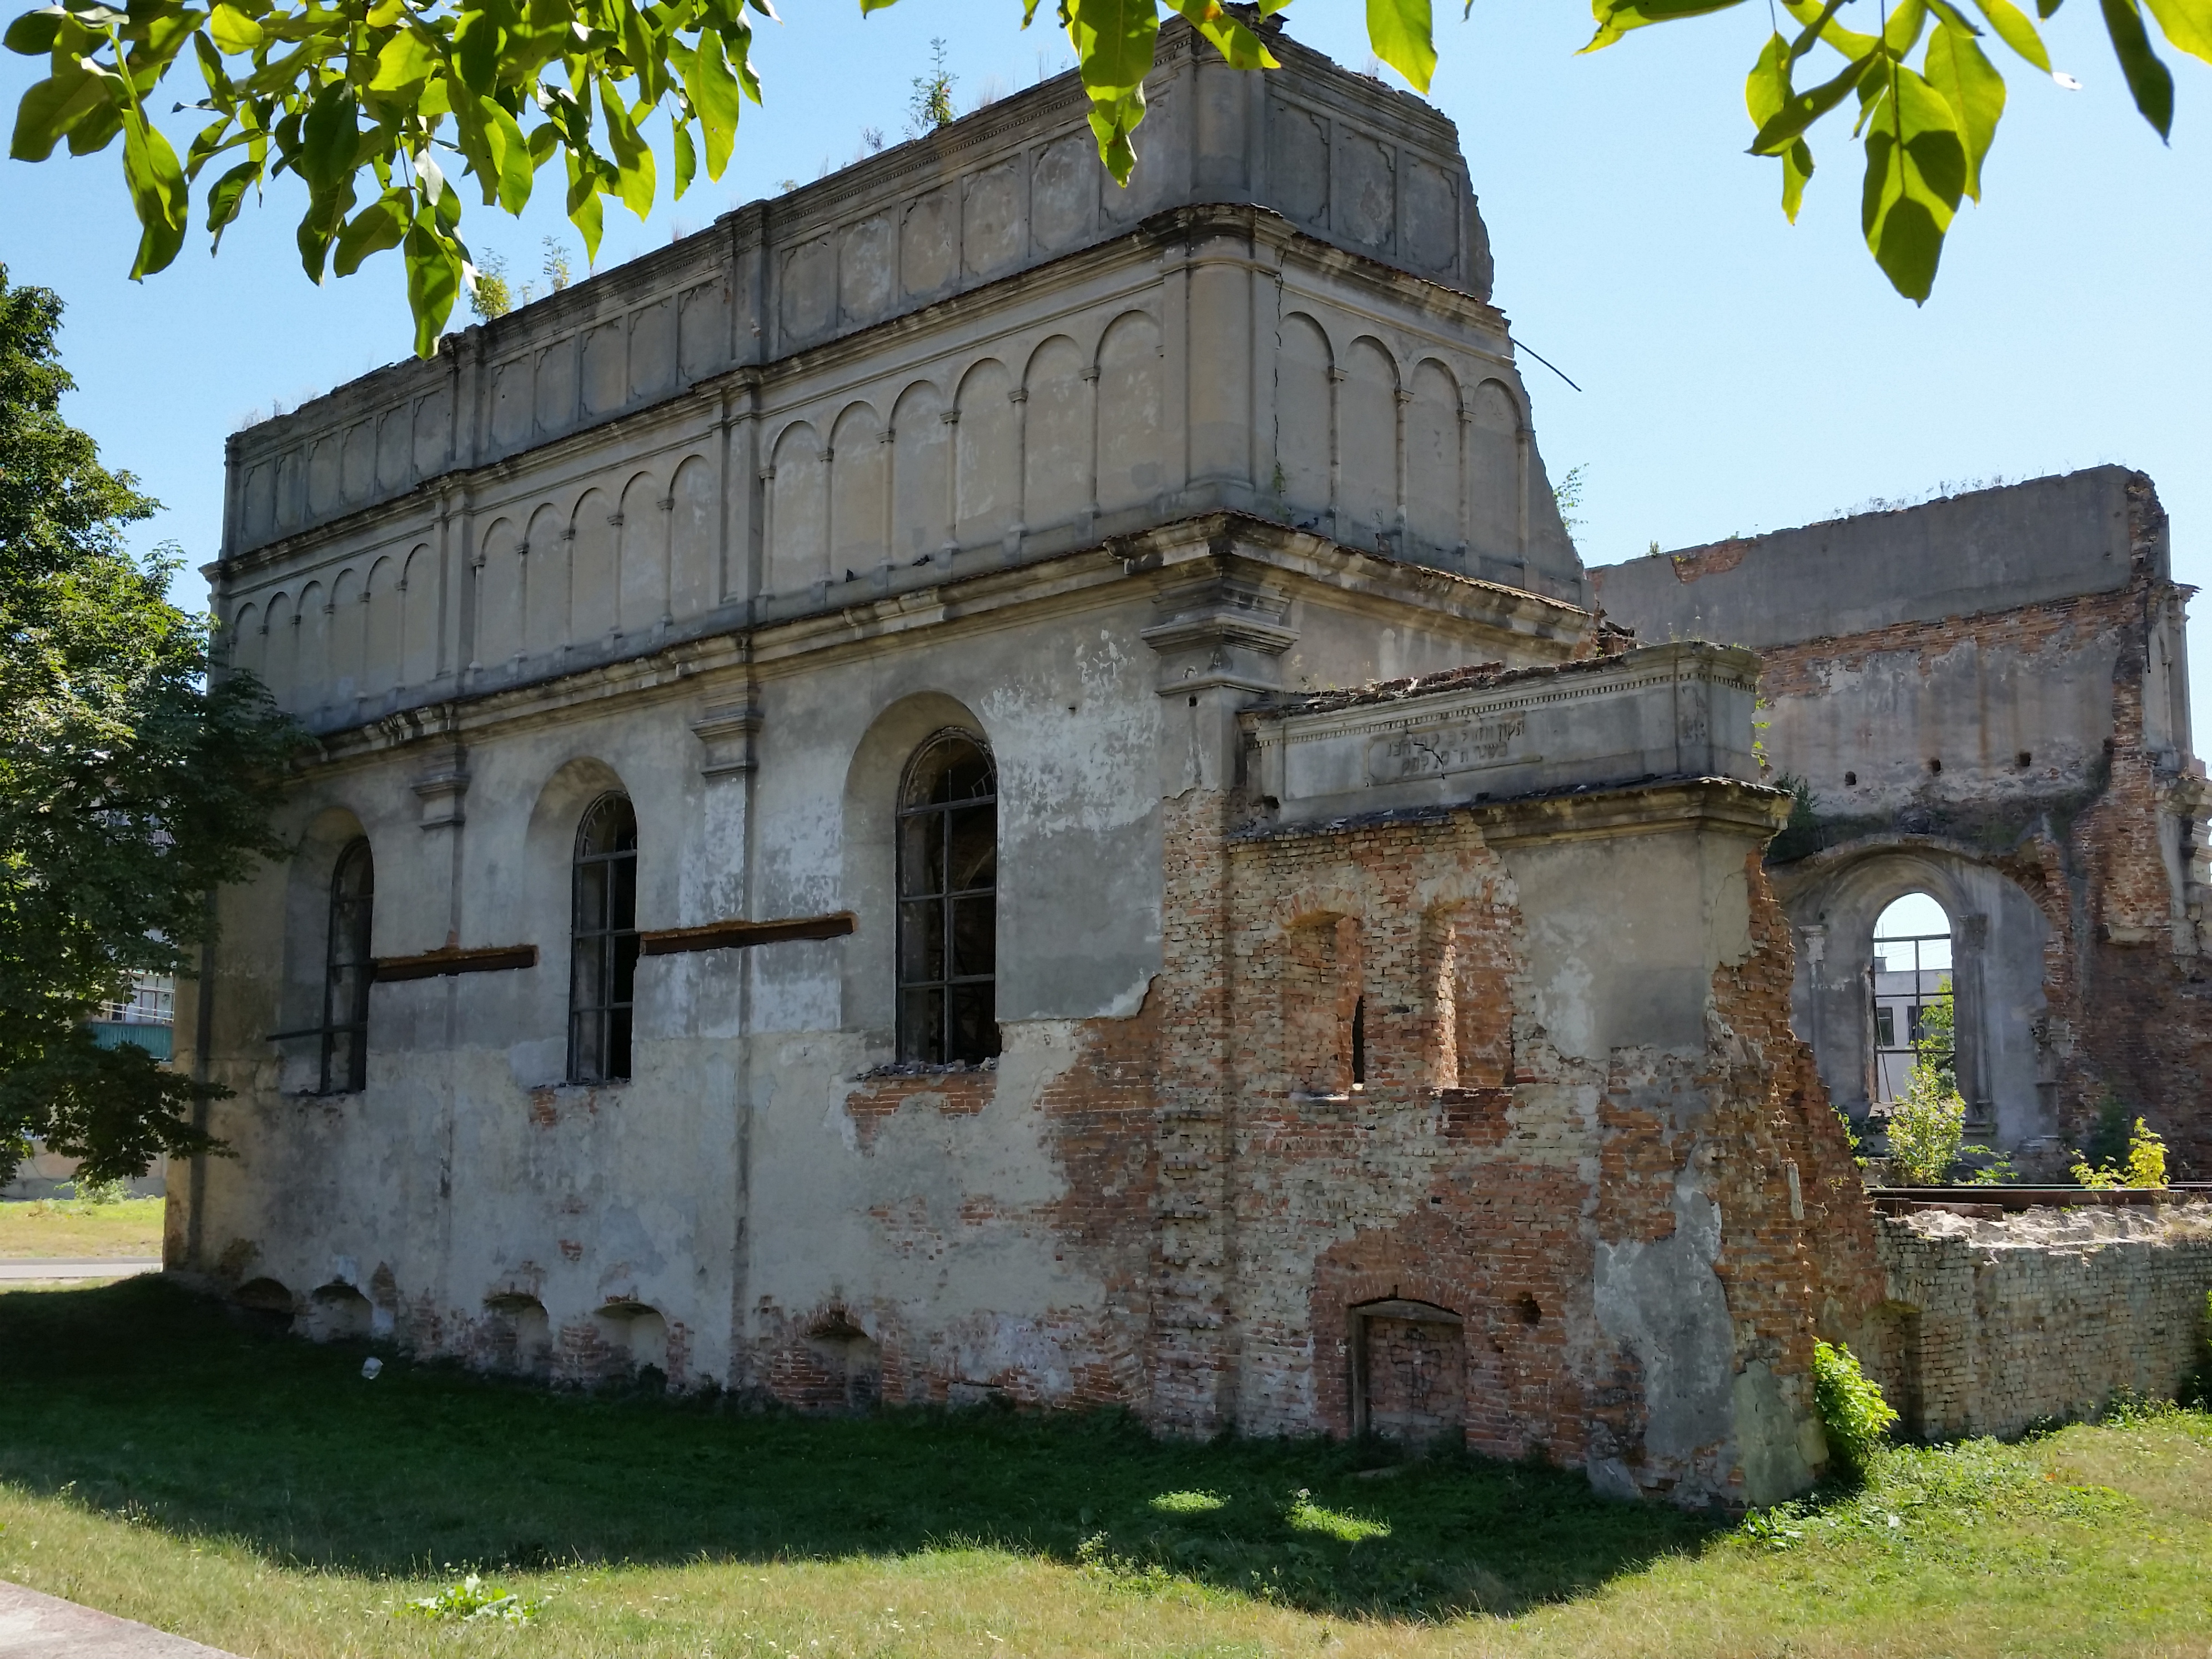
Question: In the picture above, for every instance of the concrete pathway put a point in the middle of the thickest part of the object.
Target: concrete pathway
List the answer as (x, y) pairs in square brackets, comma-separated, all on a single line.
[(35, 1626), (53, 1268)]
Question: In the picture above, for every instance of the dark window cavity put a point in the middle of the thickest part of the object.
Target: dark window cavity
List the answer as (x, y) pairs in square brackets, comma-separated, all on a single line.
[(948, 914), (347, 971), (603, 946)]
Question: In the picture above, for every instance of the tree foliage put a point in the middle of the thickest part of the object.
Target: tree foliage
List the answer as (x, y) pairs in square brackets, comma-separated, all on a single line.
[(374, 104), (131, 786)]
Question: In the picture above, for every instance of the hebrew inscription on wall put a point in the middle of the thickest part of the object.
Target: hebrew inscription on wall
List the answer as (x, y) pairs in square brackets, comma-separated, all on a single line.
[(1436, 751)]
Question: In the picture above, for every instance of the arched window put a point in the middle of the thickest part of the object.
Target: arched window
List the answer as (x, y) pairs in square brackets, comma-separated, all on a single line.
[(1909, 989), (603, 942), (347, 970), (948, 917)]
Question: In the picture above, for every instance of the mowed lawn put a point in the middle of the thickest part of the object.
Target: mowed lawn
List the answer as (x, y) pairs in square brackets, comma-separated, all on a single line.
[(171, 1461), (64, 1227)]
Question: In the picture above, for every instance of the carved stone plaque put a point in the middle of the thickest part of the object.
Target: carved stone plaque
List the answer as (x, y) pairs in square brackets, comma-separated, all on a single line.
[(1436, 751)]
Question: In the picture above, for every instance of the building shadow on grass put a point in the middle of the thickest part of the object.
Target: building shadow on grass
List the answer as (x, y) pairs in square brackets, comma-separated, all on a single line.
[(140, 1397)]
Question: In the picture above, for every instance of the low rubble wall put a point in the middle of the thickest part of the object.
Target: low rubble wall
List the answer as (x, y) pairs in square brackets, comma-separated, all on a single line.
[(1998, 1324)]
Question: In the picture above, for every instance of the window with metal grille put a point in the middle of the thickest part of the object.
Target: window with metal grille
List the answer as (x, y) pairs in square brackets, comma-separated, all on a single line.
[(948, 914), (347, 971), (603, 942)]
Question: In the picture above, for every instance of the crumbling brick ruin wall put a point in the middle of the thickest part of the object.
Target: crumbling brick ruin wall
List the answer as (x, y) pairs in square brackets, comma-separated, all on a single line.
[(2000, 719), (1395, 1198), (2002, 1322)]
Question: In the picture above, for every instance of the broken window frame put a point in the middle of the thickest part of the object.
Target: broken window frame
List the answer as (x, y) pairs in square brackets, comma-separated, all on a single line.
[(348, 971), (946, 1016), (603, 942)]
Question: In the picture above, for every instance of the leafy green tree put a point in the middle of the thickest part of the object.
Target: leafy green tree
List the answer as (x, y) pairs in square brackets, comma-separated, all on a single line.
[(373, 103), (131, 782)]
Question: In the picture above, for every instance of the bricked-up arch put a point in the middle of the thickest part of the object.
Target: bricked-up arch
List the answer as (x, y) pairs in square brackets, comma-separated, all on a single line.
[(1467, 955), (517, 1334), (798, 511), (1056, 426), (1319, 990), (921, 475), (498, 637), (1409, 1371), (1306, 393), (987, 449), (860, 492)]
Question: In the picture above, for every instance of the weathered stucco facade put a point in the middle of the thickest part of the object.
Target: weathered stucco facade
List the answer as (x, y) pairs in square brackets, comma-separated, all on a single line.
[(1388, 1017)]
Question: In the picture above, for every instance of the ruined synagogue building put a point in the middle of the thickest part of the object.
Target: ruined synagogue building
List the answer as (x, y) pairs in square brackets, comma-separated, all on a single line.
[(974, 784)]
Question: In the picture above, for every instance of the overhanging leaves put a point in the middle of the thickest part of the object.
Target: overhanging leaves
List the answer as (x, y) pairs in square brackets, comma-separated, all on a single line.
[(329, 88)]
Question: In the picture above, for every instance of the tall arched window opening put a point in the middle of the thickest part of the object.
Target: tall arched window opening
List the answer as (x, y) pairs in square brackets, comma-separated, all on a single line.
[(948, 917), (347, 971), (1909, 995), (603, 942)]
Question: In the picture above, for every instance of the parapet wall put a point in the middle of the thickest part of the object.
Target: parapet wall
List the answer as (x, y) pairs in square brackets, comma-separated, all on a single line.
[(1998, 1324), (1013, 187)]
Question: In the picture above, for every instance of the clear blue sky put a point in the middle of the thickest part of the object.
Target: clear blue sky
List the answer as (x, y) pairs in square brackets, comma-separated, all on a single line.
[(1738, 374)]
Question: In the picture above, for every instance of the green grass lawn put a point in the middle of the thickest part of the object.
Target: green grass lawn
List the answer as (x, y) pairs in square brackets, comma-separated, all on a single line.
[(173, 1462), (65, 1227)]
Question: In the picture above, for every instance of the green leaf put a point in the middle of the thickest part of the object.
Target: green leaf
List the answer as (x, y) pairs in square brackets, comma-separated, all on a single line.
[(158, 191), (511, 152), (233, 32), (1902, 32), (33, 34), (714, 99), (50, 107), (2014, 29), (1796, 173), (1812, 13), (583, 211), (634, 171), (2149, 79), (227, 196), (1767, 88), (1915, 173), (1242, 48), (476, 50), (1113, 41), (1969, 83), (2186, 24), (1401, 33), (434, 282), (1786, 126), (687, 158), (329, 139), (1616, 18), (379, 225), (405, 61)]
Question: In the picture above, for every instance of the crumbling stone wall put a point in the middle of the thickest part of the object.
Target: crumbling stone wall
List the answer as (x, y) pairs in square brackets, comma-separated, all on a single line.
[(2000, 717), (2001, 1323)]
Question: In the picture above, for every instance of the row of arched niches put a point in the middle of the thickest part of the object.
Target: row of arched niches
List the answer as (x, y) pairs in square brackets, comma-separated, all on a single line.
[(1031, 455)]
